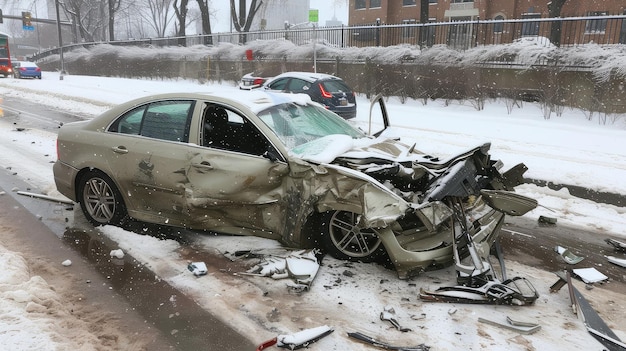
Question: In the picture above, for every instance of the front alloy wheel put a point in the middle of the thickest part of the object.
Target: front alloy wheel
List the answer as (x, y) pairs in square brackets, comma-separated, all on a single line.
[(345, 239), (100, 200)]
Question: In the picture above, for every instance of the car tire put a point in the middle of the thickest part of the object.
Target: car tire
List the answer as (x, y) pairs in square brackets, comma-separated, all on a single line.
[(345, 240), (100, 199)]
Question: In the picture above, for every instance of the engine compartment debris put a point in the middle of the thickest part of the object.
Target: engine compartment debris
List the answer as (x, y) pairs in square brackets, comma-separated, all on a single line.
[(517, 291), (516, 326)]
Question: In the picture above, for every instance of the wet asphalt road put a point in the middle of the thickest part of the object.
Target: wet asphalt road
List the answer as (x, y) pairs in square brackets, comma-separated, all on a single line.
[(28, 115), (148, 302)]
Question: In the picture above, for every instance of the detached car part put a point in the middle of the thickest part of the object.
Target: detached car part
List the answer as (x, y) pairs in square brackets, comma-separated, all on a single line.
[(384, 345), (298, 340)]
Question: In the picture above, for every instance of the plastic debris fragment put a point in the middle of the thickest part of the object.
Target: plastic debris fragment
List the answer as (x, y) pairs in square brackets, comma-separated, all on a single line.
[(590, 275), (197, 268), (567, 255)]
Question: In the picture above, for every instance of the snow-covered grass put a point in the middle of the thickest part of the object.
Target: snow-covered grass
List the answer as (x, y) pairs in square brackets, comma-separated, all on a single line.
[(349, 297)]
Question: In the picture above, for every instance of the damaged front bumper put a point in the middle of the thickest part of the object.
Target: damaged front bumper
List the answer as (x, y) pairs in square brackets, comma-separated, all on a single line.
[(412, 254)]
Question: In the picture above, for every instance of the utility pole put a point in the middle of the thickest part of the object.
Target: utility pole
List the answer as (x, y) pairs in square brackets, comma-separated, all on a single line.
[(56, 4)]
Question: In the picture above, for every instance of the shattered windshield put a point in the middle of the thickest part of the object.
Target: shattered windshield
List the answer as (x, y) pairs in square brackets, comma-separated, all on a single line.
[(296, 125)]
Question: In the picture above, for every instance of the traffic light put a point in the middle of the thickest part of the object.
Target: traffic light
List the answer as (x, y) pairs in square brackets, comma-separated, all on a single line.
[(0, 15), (26, 19)]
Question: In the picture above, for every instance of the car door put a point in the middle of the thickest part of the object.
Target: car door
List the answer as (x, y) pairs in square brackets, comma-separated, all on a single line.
[(234, 186), (150, 153), (279, 84), (378, 117)]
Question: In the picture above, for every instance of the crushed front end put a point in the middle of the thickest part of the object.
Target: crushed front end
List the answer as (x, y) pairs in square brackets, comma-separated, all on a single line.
[(457, 207)]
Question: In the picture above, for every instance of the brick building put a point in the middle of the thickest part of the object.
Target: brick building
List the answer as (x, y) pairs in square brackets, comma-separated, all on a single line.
[(465, 23), (408, 11)]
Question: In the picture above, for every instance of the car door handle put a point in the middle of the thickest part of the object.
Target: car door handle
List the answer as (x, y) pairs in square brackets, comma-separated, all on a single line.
[(120, 149), (204, 165)]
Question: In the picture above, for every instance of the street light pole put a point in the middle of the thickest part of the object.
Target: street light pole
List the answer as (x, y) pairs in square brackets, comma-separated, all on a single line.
[(56, 4)]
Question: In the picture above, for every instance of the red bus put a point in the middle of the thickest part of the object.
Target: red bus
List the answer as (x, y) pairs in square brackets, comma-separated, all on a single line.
[(5, 56)]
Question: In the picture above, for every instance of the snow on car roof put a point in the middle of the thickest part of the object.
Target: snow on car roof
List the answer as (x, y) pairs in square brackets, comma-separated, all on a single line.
[(308, 76), (26, 64), (259, 100)]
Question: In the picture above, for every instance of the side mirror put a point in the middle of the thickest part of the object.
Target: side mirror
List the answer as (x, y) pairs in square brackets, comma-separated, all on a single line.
[(271, 155), (378, 118)]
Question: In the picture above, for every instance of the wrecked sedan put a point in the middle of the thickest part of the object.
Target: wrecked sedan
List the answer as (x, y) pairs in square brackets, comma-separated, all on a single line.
[(282, 167)]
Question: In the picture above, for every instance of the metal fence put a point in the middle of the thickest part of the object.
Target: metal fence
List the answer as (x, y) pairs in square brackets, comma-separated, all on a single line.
[(460, 35)]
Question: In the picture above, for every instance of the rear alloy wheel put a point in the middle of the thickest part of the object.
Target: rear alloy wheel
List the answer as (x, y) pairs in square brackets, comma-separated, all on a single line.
[(100, 200), (345, 240)]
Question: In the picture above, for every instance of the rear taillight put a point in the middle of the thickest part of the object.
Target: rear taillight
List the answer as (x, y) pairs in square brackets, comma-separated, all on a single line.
[(22, 68), (38, 69), (324, 92), (258, 81)]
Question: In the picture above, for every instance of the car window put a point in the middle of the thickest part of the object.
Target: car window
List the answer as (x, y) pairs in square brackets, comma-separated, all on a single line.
[(299, 124), (226, 129), (335, 86), (280, 84), (298, 85), (165, 120)]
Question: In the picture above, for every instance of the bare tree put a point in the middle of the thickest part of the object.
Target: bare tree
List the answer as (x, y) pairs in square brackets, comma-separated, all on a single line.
[(424, 4), (554, 11), (181, 15), (114, 6), (157, 15), (243, 22), (206, 20), (87, 17)]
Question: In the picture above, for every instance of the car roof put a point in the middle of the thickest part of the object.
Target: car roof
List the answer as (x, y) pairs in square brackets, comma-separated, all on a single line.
[(26, 63), (308, 76), (256, 100)]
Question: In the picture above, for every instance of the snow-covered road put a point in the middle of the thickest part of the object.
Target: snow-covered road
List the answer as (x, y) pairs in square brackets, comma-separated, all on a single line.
[(568, 149)]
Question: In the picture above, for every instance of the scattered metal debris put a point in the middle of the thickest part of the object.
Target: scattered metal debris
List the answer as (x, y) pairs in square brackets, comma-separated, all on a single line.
[(590, 275), (594, 323), (547, 220), (297, 340), (197, 268), (46, 197), (389, 314), (618, 245), (517, 291), (517, 326), (383, 345), (616, 261), (301, 266), (567, 255)]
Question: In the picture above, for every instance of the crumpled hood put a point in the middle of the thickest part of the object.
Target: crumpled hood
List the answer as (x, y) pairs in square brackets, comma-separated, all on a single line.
[(330, 148), (400, 168)]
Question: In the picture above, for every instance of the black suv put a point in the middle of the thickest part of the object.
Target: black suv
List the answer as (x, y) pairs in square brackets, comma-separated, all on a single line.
[(328, 90)]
